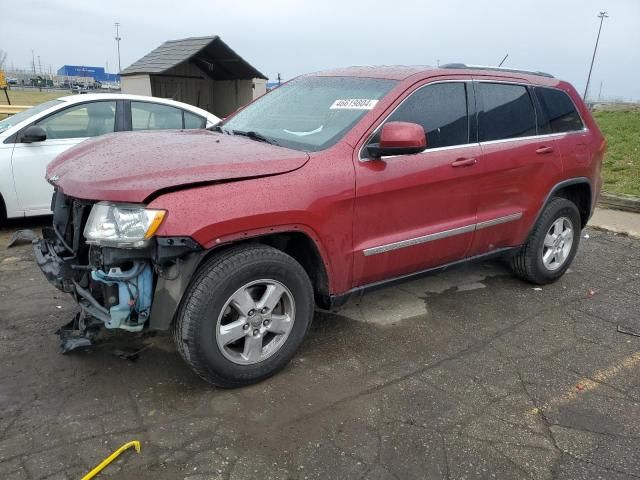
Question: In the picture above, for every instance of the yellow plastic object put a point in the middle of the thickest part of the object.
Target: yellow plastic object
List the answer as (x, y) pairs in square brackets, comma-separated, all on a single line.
[(111, 458)]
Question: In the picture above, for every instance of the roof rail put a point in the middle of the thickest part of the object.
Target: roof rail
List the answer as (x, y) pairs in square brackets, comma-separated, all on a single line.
[(499, 69)]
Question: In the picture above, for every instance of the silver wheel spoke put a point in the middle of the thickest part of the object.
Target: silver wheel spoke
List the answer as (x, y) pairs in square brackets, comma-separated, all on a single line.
[(548, 257), (231, 332), (252, 348), (242, 302), (549, 240), (560, 256), (280, 324), (557, 227), (271, 297)]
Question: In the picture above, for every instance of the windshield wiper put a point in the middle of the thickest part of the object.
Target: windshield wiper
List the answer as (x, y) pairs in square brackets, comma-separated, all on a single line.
[(253, 135)]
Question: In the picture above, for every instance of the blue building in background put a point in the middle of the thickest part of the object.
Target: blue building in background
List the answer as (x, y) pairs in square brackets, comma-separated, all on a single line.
[(97, 73)]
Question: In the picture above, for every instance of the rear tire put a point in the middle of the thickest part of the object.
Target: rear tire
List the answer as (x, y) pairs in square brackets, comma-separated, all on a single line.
[(552, 244), (244, 315)]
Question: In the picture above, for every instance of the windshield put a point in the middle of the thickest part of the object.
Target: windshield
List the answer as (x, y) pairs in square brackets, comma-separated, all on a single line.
[(9, 122), (309, 113)]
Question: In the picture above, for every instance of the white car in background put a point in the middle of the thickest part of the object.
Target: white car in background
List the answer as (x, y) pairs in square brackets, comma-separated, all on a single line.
[(29, 140)]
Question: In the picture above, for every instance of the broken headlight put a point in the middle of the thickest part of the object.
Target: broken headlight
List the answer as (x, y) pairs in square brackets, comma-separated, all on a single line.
[(121, 225)]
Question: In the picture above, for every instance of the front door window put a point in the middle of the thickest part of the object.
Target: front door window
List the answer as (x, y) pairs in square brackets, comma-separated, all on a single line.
[(81, 121)]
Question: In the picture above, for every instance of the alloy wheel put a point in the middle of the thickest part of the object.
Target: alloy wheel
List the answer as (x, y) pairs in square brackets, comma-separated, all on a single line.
[(255, 321), (557, 243)]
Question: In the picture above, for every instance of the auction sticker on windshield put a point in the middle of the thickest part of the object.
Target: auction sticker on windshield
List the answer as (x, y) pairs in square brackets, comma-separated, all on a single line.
[(353, 104)]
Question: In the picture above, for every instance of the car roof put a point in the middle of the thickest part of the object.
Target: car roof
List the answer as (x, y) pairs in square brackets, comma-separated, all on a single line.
[(89, 97), (390, 72), (403, 72)]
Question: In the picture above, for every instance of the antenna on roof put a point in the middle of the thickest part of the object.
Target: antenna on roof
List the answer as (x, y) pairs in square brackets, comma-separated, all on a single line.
[(505, 57)]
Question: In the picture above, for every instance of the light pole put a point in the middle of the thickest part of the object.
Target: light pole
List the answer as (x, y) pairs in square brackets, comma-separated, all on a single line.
[(117, 25), (601, 16)]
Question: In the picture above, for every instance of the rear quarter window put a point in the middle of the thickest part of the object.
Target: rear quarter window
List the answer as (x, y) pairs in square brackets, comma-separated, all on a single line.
[(506, 111), (559, 113)]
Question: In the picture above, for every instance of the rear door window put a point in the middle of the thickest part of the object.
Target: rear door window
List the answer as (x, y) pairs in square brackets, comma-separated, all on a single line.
[(153, 116), (506, 111), (559, 113), (441, 109), (191, 120)]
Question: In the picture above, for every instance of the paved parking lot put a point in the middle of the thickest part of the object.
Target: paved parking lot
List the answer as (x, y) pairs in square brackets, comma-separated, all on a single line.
[(467, 374)]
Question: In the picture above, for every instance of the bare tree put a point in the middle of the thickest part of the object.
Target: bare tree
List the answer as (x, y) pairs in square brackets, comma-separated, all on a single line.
[(3, 58)]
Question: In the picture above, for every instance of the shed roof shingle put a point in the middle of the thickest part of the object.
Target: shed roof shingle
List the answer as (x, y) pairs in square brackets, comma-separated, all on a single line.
[(210, 54)]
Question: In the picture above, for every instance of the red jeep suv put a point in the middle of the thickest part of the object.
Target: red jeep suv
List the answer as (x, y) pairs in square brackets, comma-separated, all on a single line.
[(332, 184)]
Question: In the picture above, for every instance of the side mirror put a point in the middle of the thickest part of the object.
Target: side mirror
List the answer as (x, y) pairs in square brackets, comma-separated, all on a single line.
[(399, 138), (34, 133)]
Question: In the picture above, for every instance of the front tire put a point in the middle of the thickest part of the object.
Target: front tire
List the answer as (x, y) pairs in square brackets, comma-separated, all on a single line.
[(3, 212), (244, 315), (552, 244)]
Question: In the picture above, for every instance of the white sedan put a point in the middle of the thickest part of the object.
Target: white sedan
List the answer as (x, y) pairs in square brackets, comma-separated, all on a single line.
[(31, 139)]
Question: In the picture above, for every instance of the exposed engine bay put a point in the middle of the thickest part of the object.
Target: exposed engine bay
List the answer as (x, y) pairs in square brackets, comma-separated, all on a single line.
[(114, 287)]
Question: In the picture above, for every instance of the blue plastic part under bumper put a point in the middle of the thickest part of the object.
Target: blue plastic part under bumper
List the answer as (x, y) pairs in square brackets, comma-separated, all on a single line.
[(135, 292)]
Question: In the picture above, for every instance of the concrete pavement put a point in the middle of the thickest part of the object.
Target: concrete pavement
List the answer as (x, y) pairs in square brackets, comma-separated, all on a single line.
[(616, 221)]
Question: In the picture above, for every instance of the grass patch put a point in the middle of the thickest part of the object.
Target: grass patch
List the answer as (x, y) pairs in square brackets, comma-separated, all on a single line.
[(621, 168), (29, 97)]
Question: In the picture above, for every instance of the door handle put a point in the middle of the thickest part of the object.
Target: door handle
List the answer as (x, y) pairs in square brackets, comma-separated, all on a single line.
[(544, 150), (464, 162)]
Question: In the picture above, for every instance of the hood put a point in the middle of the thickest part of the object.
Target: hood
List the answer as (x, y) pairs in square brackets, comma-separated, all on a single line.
[(131, 166)]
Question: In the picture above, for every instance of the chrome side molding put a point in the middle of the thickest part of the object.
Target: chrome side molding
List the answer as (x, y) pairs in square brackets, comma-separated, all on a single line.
[(440, 235)]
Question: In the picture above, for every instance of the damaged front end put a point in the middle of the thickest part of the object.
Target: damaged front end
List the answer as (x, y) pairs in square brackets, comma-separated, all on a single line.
[(114, 286)]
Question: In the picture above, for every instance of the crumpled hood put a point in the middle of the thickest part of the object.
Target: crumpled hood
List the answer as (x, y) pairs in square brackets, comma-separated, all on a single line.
[(131, 166)]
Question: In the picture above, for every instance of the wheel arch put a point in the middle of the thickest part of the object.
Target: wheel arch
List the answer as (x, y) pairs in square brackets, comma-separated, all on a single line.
[(580, 193), (577, 190), (300, 245), (169, 292)]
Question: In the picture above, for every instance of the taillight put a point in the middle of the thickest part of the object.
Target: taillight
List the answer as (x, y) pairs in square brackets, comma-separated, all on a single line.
[(603, 145)]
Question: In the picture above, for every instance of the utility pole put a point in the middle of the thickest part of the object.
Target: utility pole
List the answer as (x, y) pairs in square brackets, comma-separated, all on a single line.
[(33, 61), (600, 92), (601, 16), (117, 25), (39, 66)]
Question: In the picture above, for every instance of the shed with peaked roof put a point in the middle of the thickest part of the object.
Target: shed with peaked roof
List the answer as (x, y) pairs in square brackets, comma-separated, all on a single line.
[(201, 71)]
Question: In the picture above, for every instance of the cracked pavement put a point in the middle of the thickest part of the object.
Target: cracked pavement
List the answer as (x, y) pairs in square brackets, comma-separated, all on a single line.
[(467, 374)]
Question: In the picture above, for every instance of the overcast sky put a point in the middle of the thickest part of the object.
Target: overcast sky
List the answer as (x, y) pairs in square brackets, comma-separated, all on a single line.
[(298, 36)]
